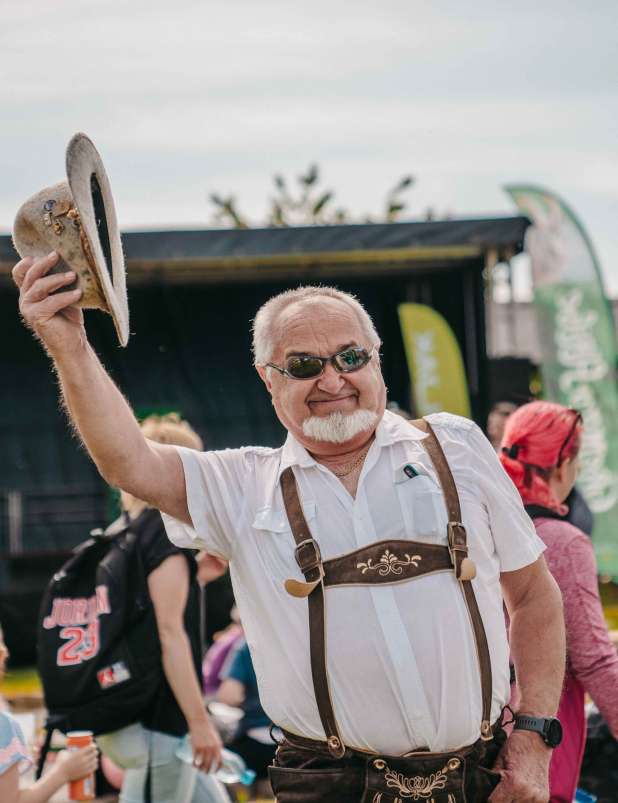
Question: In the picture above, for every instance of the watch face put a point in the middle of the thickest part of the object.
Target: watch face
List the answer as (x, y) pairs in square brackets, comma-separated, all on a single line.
[(554, 732)]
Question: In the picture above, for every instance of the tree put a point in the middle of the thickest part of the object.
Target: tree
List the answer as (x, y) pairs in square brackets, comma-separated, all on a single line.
[(306, 204)]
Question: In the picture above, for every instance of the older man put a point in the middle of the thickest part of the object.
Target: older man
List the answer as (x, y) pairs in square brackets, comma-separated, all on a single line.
[(375, 622)]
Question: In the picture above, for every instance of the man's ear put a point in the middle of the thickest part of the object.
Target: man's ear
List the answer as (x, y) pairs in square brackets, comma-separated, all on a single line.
[(265, 377)]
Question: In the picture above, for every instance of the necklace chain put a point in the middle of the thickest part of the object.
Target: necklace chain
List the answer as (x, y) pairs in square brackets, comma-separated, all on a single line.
[(349, 468)]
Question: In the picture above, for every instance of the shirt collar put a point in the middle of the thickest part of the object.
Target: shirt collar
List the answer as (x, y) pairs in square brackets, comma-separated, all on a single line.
[(392, 428)]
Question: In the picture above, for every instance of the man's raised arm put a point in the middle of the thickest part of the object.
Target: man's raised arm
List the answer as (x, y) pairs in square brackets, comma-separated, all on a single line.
[(105, 422)]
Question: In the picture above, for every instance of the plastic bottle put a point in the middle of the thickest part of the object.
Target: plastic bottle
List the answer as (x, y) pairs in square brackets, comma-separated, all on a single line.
[(233, 769)]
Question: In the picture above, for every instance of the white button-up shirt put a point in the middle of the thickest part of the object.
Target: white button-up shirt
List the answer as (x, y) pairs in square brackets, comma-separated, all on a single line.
[(401, 658)]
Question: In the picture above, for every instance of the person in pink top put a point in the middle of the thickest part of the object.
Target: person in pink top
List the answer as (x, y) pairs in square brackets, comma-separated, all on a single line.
[(539, 451)]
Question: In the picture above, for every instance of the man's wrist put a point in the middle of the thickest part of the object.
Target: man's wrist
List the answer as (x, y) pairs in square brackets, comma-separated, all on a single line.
[(67, 354), (532, 737), (546, 730)]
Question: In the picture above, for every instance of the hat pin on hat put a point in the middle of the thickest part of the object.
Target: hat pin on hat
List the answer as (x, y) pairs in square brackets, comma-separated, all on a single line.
[(77, 219)]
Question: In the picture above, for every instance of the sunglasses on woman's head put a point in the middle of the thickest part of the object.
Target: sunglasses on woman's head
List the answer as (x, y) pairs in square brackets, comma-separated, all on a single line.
[(577, 420), (308, 366)]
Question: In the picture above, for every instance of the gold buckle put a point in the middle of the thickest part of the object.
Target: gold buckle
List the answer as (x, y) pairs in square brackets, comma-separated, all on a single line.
[(335, 746), (486, 731)]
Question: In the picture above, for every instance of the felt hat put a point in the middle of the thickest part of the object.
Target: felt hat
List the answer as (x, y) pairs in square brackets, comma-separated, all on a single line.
[(77, 219)]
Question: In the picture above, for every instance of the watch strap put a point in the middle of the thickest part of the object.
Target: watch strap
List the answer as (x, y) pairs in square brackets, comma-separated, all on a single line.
[(548, 728), (527, 723)]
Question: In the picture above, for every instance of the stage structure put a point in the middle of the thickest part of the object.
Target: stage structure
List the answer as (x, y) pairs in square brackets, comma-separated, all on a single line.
[(192, 297)]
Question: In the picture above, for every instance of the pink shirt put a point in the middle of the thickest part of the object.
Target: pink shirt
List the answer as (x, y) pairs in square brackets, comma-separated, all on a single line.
[(592, 660)]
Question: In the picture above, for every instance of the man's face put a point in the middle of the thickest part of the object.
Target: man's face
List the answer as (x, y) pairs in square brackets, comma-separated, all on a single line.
[(322, 327), (496, 421)]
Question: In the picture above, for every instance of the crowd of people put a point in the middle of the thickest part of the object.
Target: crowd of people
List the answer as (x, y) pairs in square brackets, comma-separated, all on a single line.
[(373, 560)]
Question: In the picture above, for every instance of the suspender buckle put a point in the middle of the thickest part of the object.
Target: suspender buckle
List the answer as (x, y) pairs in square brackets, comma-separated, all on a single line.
[(308, 555), (458, 550), (457, 539), (309, 559)]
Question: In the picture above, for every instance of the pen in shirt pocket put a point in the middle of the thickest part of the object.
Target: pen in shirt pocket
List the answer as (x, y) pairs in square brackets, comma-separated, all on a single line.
[(409, 471)]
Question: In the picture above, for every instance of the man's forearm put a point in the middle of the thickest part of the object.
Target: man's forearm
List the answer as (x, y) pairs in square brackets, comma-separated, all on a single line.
[(538, 648), (101, 415)]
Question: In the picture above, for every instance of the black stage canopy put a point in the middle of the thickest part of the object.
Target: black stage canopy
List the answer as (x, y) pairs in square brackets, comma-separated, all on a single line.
[(192, 297), (239, 254)]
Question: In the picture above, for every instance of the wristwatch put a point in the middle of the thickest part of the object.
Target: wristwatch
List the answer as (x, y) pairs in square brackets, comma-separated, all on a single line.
[(549, 728)]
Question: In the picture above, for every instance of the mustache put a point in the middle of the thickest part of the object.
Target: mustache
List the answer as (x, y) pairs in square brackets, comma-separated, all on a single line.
[(317, 397)]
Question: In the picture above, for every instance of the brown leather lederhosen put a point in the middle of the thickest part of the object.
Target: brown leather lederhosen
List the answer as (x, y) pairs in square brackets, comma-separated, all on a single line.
[(386, 779)]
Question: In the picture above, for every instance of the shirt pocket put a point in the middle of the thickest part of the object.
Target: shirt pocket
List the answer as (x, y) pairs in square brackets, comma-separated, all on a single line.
[(422, 504), (275, 541)]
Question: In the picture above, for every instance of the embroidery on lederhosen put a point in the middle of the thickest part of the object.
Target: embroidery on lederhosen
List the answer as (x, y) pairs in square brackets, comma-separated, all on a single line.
[(389, 563), (415, 787)]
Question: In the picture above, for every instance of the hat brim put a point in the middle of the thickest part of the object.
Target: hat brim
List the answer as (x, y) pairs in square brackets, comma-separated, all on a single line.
[(92, 195)]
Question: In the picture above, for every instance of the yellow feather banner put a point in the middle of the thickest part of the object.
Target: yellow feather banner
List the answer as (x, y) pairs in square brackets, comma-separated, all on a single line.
[(434, 361)]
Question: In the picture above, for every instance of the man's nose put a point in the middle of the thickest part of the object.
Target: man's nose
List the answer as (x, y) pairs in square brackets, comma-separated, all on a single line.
[(331, 381)]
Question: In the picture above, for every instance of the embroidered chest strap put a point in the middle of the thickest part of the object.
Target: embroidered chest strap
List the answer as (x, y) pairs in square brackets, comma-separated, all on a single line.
[(464, 568)]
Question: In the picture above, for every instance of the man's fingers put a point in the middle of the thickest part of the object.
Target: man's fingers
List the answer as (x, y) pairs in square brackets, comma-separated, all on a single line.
[(500, 795), (52, 305), (47, 284), (20, 270), (38, 268), (507, 792)]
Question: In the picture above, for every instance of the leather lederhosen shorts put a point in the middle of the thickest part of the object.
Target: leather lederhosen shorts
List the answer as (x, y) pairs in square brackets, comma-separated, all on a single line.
[(305, 772)]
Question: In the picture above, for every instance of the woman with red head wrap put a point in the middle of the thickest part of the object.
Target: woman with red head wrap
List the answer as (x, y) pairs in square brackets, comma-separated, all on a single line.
[(540, 450)]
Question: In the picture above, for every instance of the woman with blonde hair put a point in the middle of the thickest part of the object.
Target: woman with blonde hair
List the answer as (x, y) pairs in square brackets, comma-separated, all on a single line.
[(153, 751), (14, 757), (540, 449)]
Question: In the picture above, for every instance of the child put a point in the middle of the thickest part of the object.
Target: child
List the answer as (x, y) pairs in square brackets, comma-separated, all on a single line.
[(14, 755)]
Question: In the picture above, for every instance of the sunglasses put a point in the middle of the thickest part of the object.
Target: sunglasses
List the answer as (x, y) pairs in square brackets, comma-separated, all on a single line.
[(308, 366), (577, 420)]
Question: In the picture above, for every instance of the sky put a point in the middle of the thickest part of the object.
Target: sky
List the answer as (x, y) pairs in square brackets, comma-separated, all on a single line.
[(187, 98)]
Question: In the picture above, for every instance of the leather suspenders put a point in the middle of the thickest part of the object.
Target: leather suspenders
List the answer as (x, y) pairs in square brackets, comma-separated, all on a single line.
[(382, 562)]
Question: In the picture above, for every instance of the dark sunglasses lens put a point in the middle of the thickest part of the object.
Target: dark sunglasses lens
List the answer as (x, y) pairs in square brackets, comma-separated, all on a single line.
[(351, 360), (304, 367)]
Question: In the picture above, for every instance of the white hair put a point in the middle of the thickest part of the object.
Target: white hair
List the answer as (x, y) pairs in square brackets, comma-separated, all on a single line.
[(339, 427), (264, 322)]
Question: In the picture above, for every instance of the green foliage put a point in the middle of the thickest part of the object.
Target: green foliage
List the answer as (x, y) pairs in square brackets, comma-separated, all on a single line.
[(306, 204)]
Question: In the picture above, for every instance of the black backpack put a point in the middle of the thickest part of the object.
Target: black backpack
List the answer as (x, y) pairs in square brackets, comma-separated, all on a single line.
[(99, 655)]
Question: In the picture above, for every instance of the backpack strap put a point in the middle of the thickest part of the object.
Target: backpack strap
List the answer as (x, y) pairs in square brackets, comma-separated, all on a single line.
[(462, 565), (309, 559), (49, 732), (52, 723)]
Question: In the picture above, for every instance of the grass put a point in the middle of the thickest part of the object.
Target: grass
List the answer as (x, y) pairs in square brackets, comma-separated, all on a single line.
[(20, 683)]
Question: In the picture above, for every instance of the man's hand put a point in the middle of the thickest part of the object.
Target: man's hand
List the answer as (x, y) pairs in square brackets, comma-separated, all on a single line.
[(50, 315), (523, 764), (209, 567), (206, 744)]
